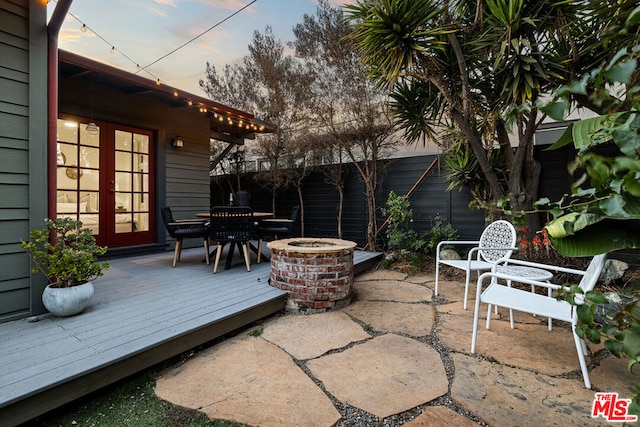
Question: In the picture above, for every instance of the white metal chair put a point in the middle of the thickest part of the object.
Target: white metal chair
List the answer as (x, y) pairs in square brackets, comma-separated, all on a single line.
[(496, 243), (538, 304)]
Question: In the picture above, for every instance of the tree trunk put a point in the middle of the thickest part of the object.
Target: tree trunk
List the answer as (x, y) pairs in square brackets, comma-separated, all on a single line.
[(299, 187), (371, 208), (481, 155), (340, 205)]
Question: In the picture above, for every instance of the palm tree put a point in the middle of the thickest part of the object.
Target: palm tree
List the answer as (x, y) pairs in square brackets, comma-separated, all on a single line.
[(478, 66)]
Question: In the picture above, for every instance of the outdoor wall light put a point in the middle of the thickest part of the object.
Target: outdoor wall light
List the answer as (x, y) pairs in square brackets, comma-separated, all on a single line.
[(178, 142)]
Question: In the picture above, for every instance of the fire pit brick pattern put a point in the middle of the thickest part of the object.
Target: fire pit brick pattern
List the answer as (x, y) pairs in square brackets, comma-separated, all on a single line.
[(317, 273)]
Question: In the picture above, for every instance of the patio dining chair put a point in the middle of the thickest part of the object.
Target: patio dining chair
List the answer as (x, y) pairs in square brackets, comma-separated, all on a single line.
[(496, 243), (538, 304), (233, 225), (184, 229), (278, 228)]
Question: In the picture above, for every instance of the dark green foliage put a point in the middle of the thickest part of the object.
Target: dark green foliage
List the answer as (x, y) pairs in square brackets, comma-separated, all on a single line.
[(404, 240), (65, 252)]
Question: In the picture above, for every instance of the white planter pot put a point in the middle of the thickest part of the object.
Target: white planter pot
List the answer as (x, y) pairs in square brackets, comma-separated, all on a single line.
[(67, 301)]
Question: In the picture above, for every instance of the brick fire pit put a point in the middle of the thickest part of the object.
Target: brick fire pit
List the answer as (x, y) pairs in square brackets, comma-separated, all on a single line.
[(317, 272)]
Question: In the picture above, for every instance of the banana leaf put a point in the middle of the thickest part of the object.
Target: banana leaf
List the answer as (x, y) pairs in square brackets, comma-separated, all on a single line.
[(604, 236)]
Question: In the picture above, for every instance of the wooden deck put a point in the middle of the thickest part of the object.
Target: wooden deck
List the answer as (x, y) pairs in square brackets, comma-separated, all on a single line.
[(143, 312)]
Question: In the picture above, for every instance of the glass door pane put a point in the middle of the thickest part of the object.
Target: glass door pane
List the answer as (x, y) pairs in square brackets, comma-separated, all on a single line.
[(131, 182), (78, 167)]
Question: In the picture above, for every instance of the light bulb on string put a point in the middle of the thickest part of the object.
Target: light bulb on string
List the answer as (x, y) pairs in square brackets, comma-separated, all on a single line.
[(83, 28), (92, 128)]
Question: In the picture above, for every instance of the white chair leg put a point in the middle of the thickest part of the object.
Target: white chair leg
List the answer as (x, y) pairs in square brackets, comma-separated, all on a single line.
[(466, 291), (437, 273), (549, 319), (510, 310), (581, 357), (585, 349), (476, 312), (488, 316), (218, 253)]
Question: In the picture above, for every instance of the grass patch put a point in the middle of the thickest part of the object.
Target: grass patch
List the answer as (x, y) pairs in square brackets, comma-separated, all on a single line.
[(257, 331), (131, 402)]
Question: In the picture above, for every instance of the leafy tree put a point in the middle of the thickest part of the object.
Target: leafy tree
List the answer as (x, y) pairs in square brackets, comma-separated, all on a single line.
[(272, 85), (479, 66), (344, 105)]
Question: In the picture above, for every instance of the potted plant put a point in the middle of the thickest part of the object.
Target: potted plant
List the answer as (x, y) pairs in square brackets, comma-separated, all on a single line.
[(67, 253)]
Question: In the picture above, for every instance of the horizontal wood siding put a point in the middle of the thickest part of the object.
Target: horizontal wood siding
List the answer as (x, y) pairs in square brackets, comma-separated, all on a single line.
[(14, 158)]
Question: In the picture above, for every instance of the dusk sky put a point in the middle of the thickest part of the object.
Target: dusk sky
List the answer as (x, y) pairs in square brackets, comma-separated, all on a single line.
[(146, 30)]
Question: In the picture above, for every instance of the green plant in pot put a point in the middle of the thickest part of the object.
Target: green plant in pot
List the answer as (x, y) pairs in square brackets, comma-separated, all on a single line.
[(67, 254)]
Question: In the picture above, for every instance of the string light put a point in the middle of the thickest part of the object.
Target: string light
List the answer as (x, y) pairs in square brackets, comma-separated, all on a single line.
[(84, 28), (201, 34)]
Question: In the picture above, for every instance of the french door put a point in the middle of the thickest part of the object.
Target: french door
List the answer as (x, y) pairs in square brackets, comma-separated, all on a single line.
[(104, 179)]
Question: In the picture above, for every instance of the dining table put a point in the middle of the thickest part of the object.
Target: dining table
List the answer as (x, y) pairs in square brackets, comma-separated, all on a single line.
[(258, 216)]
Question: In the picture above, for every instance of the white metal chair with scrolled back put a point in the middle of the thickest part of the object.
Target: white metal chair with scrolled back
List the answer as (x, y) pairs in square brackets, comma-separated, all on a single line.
[(538, 304), (496, 243)]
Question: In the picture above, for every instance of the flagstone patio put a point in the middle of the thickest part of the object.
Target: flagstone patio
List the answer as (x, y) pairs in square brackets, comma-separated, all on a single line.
[(396, 356)]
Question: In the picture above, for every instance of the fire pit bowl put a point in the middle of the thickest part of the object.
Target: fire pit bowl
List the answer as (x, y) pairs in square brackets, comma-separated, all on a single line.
[(317, 272)]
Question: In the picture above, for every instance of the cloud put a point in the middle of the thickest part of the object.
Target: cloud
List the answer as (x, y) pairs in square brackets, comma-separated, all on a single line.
[(157, 12), (166, 2), (232, 5), (70, 35)]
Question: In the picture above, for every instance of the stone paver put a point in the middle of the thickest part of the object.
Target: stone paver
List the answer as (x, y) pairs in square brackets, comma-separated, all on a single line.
[(505, 396), (440, 416), (251, 381), (454, 291), (384, 376), (612, 375), (527, 346), (391, 290), (381, 275), (254, 380), (415, 319), (308, 336), (422, 279)]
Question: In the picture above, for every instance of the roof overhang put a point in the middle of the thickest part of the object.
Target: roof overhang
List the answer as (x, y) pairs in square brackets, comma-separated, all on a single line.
[(223, 119)]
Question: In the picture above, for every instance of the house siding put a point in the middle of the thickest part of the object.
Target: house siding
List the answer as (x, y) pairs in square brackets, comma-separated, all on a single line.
[(22, 149)]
